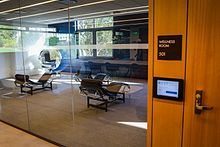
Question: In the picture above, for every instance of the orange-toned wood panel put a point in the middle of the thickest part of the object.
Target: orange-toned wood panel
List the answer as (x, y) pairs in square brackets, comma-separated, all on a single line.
[(150, 75), (203, 73), (170, 19), (167, 123)]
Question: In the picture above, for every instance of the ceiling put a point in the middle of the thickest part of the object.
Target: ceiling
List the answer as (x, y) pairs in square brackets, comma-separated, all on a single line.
[(54, 11)]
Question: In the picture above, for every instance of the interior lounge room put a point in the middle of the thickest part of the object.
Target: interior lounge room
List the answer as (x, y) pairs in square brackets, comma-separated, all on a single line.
[(109, 73), (74, 72)]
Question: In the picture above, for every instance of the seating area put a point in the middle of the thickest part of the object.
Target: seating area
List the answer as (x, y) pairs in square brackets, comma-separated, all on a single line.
[(94, 90), (46, 60), (113, 68), (24, 82), (50, 110)]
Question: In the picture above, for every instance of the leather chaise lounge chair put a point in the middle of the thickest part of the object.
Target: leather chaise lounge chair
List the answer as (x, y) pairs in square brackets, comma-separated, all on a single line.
[(94, 90), (24, 82)]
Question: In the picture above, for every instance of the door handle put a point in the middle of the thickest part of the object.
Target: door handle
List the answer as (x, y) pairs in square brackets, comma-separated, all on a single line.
[(204, 107), (198, 106)]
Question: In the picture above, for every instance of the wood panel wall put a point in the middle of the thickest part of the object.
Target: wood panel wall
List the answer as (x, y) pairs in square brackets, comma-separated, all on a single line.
[(150, 74), (203, 73), (165, 117)]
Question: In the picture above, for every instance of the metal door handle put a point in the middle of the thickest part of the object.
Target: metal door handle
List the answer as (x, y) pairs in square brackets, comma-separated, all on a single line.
[(198, 106), (203, 107)]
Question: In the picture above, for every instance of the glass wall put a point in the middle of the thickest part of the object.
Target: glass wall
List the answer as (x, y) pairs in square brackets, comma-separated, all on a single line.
[(33, 81), (48, 47), (13, 104)]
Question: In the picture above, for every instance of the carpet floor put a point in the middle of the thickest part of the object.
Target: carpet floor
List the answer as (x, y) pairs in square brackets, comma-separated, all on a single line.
[(62, 115)]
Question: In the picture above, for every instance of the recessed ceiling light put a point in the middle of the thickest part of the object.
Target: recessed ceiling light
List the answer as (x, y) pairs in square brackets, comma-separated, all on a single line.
[(99, 14), (65, 9), (28, 6), (2, 1), (112, 14)]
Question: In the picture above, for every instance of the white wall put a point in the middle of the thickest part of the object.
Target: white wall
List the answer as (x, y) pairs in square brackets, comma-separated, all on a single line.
[(12, 63), (31, 62), (6, 65), (33, 43)]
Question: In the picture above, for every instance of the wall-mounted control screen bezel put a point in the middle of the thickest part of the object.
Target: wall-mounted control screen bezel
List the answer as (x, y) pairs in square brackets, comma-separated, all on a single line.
[(168, 88)]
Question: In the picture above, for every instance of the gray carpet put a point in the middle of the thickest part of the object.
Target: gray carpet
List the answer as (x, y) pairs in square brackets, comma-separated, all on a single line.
[(49, 114)]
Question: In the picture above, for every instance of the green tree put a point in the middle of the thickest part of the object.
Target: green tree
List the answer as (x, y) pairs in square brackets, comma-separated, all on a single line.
[(86, 38), (104, 38), (8, 38), (104, 22), (53, 41)]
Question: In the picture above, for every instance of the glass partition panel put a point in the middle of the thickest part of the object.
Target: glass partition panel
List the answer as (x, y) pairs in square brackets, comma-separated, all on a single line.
[(117, 64), (82, 70), (13, 106), (47, 62)]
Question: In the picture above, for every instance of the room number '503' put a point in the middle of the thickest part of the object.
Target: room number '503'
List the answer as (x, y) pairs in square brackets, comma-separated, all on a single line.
[(162, 54)]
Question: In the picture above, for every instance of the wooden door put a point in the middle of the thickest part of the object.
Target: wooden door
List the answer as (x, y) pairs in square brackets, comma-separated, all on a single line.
[(202, 73)]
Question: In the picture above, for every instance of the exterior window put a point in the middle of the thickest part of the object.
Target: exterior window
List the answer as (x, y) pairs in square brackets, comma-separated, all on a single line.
[(104, 38), (103, 22), (9, 40), (86, 24), (85, 38)]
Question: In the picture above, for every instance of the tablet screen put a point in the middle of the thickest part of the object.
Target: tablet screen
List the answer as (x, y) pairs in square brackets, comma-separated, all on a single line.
[(168, 88)]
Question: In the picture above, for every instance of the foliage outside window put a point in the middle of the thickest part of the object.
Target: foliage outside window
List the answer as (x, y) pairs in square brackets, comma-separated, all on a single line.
[(8, 40), (104, 38), (53, 41), (4, 27), (103, 22), (85, 38), (85, 24)]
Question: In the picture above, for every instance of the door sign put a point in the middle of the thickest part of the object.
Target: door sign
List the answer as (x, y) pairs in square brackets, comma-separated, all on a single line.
[(170, 47)]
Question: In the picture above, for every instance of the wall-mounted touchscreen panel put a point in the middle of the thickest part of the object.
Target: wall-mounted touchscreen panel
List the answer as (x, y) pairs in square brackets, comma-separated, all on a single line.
[(168, 88)]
